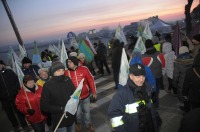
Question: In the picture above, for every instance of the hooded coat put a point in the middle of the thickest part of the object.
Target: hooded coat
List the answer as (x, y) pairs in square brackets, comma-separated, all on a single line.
[(169, 59), (180, 67)]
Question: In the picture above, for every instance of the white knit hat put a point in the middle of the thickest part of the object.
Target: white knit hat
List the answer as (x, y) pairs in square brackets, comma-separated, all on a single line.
[(73, 54), (183, 49), (81, 55)]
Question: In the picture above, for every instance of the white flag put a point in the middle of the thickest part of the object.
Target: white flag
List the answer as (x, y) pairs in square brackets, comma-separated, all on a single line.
[(22, 52), (16, 58), (119, 34), (72, 103), (124, 71), (63, 54), (139, 46), (147, 32)]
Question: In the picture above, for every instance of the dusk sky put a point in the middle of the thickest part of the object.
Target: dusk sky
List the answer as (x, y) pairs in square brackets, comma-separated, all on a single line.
[(51, 19)]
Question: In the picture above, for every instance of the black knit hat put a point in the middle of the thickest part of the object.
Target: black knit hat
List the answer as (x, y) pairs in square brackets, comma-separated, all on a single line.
[(197, 37), (56, 66), (1, 62), (148, 43), (73, 59), (168, 37), (26, 60), (137, 69)]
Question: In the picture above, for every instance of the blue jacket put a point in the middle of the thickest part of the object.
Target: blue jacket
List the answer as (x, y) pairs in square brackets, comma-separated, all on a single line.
[(123, 109)]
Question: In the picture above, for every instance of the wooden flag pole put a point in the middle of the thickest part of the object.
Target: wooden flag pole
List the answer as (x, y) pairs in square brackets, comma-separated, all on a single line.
[(59, 122)]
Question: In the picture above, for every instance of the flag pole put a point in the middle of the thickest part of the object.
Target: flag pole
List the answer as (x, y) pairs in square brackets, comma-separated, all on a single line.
[(27, 97), (59, 122), (21, 84)]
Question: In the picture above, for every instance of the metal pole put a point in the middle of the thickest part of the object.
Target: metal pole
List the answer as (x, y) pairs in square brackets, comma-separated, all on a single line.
[(12, 22)]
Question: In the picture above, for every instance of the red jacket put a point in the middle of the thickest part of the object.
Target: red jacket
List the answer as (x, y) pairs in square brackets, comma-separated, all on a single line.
[(77, 75), (34, 99)]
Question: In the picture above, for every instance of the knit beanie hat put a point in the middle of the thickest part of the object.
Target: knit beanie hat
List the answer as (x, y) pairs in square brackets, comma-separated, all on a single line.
[(26, 60), (197, 37), (56, 66), (137, 69), (81, 55), (73, 54), (183, 49), (168, 37), (155, 39), (148, 43), (2, 63), (73, 59)]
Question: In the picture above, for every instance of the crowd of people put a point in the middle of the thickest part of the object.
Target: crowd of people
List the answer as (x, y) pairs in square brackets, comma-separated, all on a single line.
[(43, 93)]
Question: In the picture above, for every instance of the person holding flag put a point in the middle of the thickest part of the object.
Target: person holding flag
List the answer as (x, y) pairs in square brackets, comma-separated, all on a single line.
[(9, 87), (28, 102), (55, 95), (77, 73)]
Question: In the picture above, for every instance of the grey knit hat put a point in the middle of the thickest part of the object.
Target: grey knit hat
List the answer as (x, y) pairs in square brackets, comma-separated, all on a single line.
[(56, 66)]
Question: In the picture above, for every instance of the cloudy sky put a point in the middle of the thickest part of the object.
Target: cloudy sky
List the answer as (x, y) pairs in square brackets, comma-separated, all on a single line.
[(51, 19)]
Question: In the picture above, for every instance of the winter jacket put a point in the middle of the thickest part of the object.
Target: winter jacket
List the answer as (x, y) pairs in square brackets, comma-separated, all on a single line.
[(87, 64), (34, 99), (116, 59), (180, 68), (169, 59), (124, 109), (55, 95), (195, 50), (77, 75), (155, 61), (9, 84), (191, 85), (101, 52), (32, 70)]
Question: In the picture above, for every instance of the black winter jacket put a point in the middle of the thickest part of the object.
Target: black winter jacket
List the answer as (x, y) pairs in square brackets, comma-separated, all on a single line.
[(191, 85), (116, 59), (9, 84), (56, 93), (32, 70)]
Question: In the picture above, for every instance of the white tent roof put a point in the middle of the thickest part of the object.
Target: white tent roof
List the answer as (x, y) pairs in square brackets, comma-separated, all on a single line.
[(161, 27)]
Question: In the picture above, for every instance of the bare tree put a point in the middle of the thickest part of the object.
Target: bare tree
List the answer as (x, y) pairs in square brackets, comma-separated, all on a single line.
[(188, 16)]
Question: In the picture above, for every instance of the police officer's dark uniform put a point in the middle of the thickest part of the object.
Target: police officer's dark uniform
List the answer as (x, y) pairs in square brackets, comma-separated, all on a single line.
[(131, 109)]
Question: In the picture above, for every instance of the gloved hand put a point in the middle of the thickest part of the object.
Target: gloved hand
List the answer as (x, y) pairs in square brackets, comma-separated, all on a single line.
[(93, 98), (31, 111)]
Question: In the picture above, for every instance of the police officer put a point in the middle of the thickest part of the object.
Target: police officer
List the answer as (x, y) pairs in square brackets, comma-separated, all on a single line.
[(131, 108)]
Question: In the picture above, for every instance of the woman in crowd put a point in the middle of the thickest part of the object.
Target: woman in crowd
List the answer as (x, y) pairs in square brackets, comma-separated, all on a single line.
[(28, 102)]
